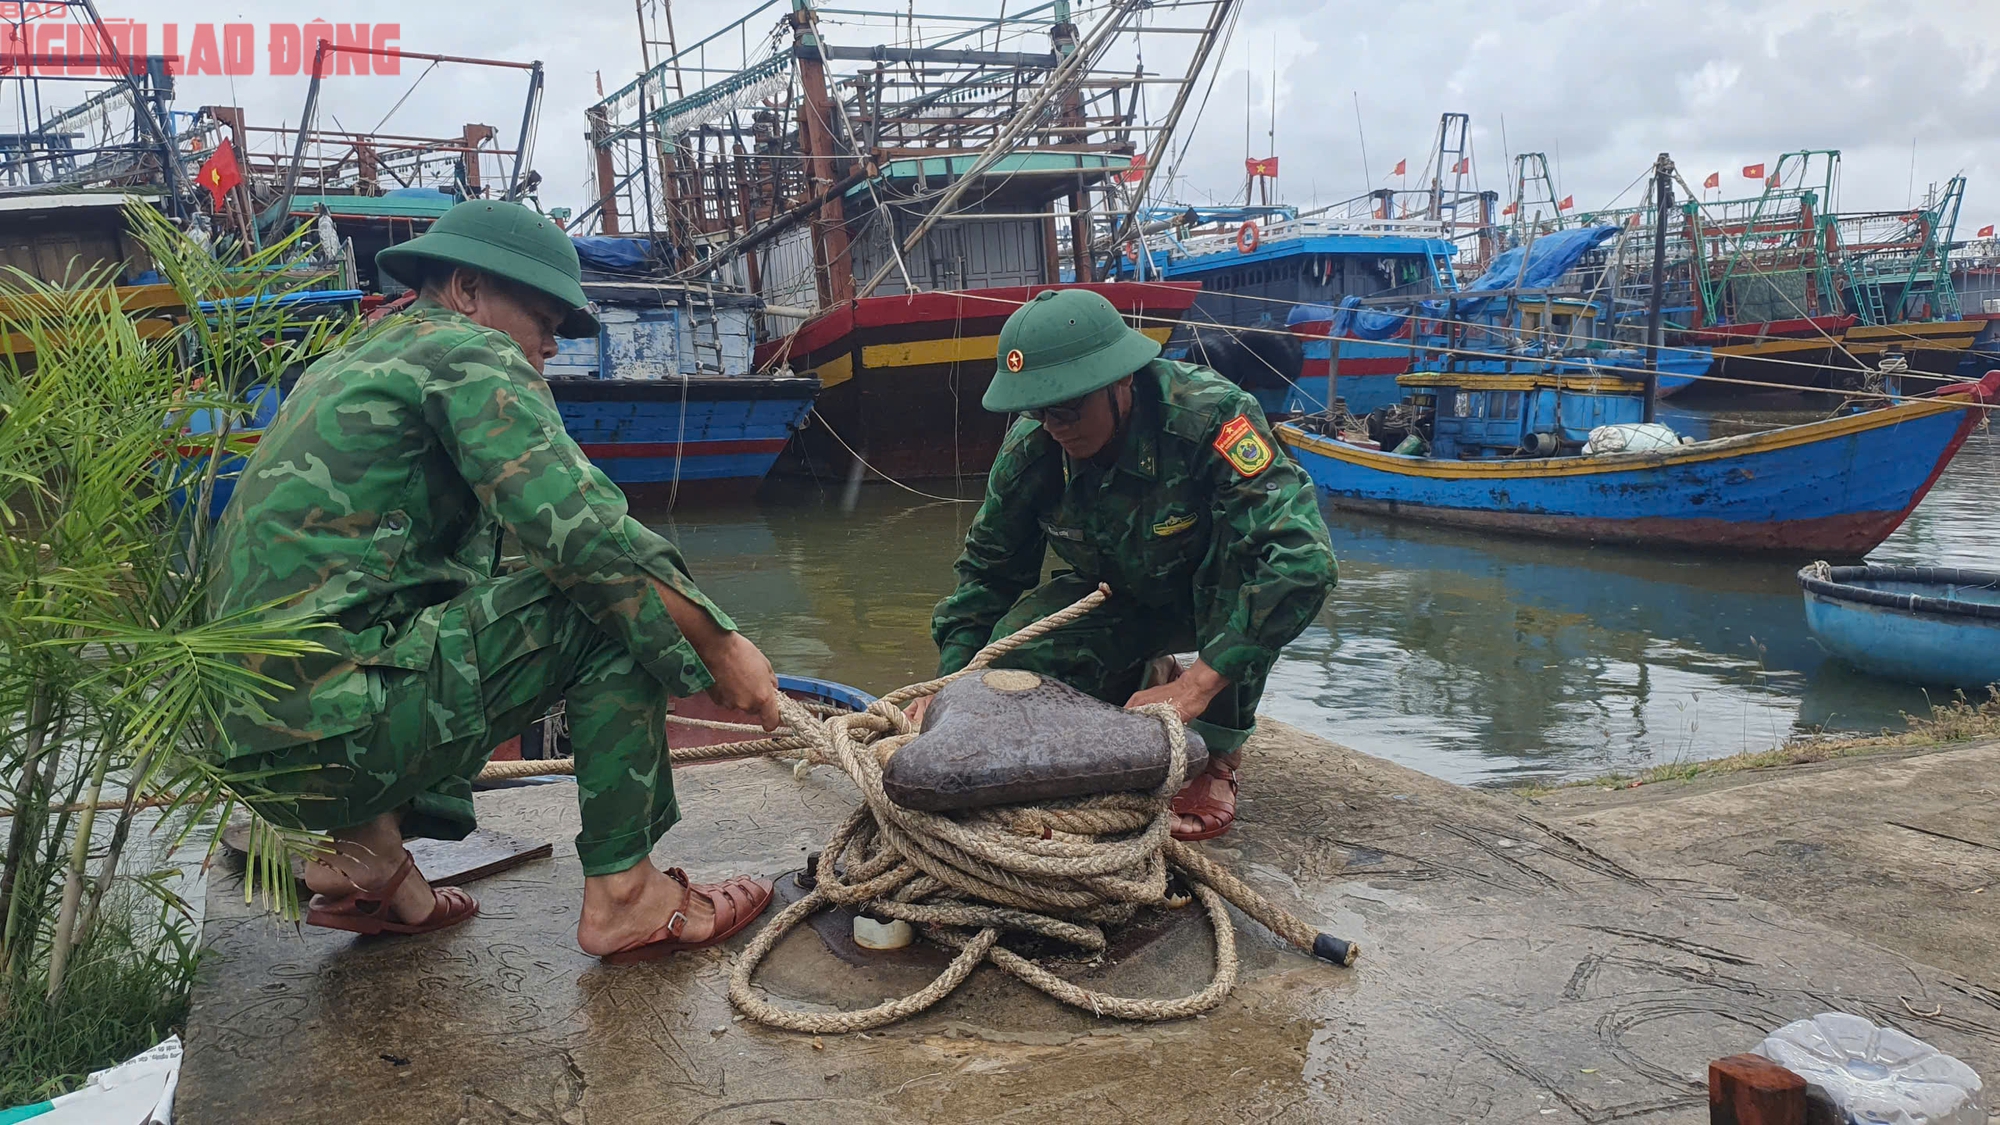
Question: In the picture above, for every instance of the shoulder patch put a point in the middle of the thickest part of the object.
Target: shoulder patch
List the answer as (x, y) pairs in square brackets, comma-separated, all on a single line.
[(1243, 447)]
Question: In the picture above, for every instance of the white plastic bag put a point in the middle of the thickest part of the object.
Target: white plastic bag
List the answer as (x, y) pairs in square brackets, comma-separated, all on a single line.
[(138, 1091), (1637, 437), (1878, 1074)]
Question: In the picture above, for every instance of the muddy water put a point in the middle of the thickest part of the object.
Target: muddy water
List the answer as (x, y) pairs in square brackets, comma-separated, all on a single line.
[(1475, 658)]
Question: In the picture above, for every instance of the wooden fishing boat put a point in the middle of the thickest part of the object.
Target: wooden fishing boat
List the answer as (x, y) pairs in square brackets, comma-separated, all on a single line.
[(1782, 353), (663, 398), (1923, 624), (896, 200), (902, 376), (1833, 488)]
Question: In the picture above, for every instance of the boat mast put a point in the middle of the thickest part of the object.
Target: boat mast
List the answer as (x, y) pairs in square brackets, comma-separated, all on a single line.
[(1028, 119), (1663, 202), (833, 266)]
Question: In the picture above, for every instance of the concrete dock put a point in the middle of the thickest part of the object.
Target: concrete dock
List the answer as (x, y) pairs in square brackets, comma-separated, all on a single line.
[(1581, 956)]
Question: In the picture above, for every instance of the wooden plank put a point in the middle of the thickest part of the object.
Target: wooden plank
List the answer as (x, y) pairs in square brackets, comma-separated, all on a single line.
[(446, 863)]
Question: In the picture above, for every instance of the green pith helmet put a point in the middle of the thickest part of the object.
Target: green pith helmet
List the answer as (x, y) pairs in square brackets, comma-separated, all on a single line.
[(506, 240), (1063, 345)]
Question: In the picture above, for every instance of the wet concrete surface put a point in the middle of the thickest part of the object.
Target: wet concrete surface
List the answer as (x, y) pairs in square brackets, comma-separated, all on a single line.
[(1518, 965), (1902, 850)]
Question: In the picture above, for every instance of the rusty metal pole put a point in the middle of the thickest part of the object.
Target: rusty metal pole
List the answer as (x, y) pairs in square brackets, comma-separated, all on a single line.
[(835, 267), (1663, 202), (607, 176)]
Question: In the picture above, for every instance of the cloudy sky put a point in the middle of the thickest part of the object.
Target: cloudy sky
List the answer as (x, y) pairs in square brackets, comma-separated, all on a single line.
[(1602, 85)]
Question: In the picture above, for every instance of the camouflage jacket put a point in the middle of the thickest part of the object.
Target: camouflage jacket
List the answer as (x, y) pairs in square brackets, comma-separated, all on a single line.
[(1202, 514), (381, 491)]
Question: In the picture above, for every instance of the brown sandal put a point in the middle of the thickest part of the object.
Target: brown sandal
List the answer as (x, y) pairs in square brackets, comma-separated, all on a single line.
[(738, 902), (367, 912), (1198, 800)]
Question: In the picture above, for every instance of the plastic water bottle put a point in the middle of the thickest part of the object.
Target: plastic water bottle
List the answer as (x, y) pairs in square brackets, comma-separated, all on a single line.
[(1878, 1074)]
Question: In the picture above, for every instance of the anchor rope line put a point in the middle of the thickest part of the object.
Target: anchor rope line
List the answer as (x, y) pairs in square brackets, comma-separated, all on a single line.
[(1060, 870)]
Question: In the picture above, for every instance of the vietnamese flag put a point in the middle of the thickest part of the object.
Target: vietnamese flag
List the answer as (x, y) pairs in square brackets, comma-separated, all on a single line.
[(1402, 168), (1262, 166), (220, 173), (1507, 210), (1568, 202), (1136, 171), (1985, 231), (1772, 182), (1753, 171), (1714, 180), (1463, 166)]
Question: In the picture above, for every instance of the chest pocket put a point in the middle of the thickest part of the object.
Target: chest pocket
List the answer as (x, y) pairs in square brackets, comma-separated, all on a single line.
[(1172, 541), (391, 536), (1074, 546)]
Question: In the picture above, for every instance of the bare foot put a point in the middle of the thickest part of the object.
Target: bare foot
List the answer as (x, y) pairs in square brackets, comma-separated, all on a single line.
[(628, 907), (365, 859)]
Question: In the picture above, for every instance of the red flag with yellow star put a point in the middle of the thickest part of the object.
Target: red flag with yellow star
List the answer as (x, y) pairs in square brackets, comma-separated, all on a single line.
[(219, 173)]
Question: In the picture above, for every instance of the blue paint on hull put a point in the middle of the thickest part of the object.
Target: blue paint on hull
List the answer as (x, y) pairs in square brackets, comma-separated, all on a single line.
[(1900, 645), (732, 431), (1921, 624)]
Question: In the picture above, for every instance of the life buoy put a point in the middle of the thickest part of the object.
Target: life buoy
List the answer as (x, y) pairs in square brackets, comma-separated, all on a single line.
[(1247, 238), (1131, 251)]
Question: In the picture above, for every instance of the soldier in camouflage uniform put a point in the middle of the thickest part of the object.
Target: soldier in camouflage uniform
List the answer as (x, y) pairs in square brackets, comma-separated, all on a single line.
[(1162, 480), (377, 500)]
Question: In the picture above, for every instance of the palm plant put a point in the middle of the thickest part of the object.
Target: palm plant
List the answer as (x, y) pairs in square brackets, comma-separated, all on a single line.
[(117, 427)]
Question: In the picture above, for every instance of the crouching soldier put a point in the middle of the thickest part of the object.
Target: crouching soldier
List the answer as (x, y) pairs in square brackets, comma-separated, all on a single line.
[(377, 500), (1162, 480)]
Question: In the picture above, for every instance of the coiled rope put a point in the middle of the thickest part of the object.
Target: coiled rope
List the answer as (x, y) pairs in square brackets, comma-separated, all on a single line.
[(1061, 870)]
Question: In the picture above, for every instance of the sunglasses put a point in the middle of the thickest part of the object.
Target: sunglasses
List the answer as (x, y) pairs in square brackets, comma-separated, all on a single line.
[(1062, 414)]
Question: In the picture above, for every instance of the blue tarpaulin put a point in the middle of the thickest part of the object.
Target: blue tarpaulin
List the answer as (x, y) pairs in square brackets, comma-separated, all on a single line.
[(1549, 257), (616, 255)]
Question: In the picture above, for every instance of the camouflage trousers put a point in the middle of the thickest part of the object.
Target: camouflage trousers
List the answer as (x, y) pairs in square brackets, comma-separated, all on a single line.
[(1104, 654), (532, 646)]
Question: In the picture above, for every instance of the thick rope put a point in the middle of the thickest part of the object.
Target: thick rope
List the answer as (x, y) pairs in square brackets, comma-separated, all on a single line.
[(1061, 870)]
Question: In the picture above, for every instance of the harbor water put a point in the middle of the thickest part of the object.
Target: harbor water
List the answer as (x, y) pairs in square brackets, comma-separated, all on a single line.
[(1475, 658)]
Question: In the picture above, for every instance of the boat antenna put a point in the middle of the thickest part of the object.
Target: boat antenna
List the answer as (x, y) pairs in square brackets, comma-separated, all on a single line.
[(1362, 135)]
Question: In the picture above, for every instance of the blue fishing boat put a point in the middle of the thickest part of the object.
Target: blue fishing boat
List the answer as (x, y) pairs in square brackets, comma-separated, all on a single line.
[(664, 399), (1504, 452), (1924, 624), (1277, 268)]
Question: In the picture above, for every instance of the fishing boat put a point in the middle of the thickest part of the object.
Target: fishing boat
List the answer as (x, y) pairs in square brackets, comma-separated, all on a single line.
[(1530, 435), (893, 202), (1791, 293), (1274, 268), (1923, 624), (664, 398), (884, 363), (1547, 306), (1836, 488), (1278, 268)]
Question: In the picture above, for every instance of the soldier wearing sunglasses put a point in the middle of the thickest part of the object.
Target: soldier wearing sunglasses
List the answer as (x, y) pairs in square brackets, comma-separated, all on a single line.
[(1162, 480)]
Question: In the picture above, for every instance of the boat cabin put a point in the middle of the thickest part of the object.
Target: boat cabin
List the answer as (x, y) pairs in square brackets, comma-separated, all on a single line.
[(1288, 260), (655, 330), (1476, 415)]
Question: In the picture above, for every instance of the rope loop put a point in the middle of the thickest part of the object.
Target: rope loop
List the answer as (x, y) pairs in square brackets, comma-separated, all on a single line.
[(1061, 870)]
